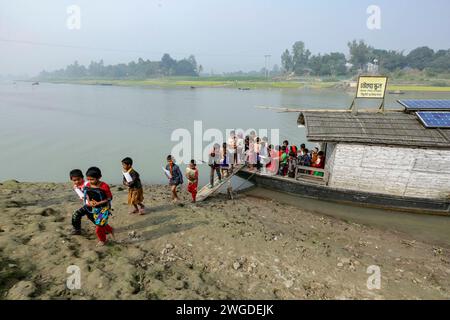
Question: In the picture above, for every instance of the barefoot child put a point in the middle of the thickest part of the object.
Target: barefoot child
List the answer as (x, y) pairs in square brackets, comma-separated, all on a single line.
[(77, 178), (192, 176), (175, 177), (135, 191), (99, 196)]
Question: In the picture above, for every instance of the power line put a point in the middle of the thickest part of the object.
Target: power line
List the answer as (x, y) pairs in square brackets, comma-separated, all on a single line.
[(70, 46)]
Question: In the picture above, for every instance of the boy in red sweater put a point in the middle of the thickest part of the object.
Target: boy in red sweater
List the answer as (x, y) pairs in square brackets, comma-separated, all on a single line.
[(98, 205)]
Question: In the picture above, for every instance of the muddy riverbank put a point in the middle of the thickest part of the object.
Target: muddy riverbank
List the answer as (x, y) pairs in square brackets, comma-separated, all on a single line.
[(246, 248)]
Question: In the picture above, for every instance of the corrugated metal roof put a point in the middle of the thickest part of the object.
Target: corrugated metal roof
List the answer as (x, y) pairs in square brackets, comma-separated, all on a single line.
[(390, 128)]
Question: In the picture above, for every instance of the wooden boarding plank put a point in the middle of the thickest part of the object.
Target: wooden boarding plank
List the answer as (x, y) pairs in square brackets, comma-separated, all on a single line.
[(207, 192)]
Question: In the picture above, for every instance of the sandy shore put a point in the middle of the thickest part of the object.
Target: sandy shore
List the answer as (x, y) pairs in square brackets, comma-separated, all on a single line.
[(245, 248)]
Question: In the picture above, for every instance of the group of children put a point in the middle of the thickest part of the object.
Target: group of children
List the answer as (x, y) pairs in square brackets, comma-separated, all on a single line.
[(97, 197), (291, 158), (258, 154)]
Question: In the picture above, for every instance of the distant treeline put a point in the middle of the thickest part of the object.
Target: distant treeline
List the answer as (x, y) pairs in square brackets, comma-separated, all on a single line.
[(363, 57), (141, 69)]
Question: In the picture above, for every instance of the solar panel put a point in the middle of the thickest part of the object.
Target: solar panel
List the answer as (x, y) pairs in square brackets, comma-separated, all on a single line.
[(435, 119), (419, 105)]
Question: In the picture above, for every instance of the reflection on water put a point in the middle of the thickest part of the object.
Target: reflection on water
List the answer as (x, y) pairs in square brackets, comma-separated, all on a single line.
[(435, 229)]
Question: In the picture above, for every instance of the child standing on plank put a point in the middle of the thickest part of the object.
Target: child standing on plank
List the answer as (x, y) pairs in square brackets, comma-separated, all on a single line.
[(99, 196), (192, 176), (135, 190), (176, 177), (77, 178)]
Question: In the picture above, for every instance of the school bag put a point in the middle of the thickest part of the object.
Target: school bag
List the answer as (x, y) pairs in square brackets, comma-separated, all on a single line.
[(100, 214)]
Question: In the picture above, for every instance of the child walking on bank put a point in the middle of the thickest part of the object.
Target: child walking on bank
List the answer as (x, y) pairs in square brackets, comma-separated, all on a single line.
[(192, 176), (132, 180), (98, 196), (77, 178), (175, 177)]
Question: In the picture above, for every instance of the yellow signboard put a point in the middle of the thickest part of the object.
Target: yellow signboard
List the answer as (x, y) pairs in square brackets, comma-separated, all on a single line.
[(371, 87)]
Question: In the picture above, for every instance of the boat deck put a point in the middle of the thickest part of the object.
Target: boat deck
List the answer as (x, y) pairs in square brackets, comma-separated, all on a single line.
[(207, 192)]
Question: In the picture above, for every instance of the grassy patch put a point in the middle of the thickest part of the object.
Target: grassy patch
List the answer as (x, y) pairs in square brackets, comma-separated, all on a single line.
[(418, 88)]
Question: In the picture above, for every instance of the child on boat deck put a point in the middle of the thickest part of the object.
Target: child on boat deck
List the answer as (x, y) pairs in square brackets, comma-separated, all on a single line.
[(77, 178), (246, 149), (176, 177), (94, 175), (214, 164), (232, 149), (286, 144), (224, 160), (305, 160), (240, 148), (292, 165), (192, 176), (135, 190), (283, 161)]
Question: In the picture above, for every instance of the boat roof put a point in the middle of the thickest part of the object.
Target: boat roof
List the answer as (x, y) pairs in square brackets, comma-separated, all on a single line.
[(389, 128)]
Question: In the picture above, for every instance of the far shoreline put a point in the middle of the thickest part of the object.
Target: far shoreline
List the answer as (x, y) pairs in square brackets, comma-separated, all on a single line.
[(394, 88)]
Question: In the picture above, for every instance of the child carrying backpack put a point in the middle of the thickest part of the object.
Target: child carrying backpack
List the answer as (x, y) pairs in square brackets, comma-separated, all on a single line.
[(98, 197)]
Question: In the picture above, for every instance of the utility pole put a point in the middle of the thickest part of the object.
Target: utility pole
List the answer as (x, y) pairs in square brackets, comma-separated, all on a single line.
[(267, 62)]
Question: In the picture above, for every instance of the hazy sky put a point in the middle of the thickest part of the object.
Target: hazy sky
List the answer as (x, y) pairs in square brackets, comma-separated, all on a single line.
[(224, 35)]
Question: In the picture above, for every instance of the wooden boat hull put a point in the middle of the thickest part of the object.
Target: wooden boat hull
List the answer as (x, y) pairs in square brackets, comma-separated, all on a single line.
[(322, 192)]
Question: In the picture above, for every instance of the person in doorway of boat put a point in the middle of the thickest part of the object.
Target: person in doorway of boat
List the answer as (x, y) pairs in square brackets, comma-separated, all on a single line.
[(214, 164), (292, 165), (175, 177), (77, 178), (224, 160), (314, 155), (135, 190), (192, 176), (319, 164), (283, 162)]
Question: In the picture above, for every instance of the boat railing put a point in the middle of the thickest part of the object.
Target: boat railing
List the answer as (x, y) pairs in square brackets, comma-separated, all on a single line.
[(312, 174)]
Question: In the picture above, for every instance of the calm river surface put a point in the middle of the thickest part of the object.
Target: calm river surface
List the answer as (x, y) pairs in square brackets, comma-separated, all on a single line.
[(47, 130)]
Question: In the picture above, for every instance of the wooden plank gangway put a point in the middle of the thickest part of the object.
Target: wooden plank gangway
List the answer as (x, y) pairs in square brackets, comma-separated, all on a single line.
[(207, 192)]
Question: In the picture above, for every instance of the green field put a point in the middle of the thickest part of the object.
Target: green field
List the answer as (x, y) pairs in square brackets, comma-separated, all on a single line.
[(246, 82)]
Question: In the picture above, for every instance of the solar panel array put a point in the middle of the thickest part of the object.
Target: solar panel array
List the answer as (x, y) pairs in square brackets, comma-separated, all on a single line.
[(435, 119), (422, 105)]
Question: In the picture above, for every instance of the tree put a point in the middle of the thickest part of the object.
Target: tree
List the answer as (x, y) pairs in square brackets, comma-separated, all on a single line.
[(167, 64), (420, 58), (390, 60), (360, 53), (441, 63), (193, 62), (332, 64), (286, 61), (300, 57), (185, 68)]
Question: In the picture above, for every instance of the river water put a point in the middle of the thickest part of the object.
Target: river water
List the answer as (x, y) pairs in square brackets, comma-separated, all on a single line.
[(47, 130)]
